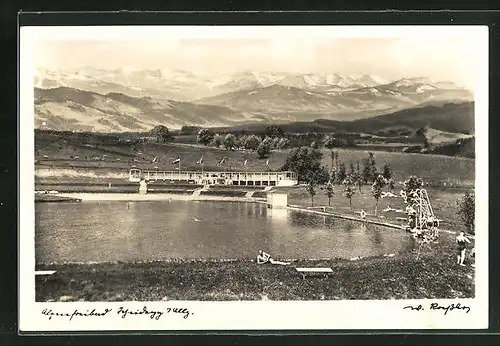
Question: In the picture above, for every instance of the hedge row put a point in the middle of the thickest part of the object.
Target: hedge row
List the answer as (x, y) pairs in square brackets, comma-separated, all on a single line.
[(86, 188), (246, 187), (260, 194), (170, 191)]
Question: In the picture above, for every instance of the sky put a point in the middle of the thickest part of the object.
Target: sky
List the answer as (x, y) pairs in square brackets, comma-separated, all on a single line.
[(439, 58)]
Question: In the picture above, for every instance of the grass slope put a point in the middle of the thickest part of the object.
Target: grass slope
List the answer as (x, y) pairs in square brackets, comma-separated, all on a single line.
[(71, 109), (433, 168), (455, 117)]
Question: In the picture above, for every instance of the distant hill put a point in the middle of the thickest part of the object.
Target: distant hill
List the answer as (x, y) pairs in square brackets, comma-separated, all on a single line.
[(66, 108), (71, 109), (275, 98), (454, 117), (297, 93), (436, 137)]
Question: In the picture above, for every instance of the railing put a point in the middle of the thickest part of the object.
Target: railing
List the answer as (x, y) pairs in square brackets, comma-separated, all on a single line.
[(211, 177)]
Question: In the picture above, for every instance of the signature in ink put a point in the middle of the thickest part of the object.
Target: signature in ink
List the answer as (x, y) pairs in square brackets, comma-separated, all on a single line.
[(436, 306)]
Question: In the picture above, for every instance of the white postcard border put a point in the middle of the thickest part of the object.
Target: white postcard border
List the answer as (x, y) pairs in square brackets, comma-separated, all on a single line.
[(260, 315)]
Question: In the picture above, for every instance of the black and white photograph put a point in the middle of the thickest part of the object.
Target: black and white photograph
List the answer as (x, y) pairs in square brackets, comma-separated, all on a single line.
[(254, 177)]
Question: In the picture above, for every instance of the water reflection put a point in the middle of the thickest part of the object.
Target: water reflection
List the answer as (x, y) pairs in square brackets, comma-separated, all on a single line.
[(126, 231), (278, 215)]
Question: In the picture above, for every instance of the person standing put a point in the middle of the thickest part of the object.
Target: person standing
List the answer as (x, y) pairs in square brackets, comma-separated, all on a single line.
[(462, 241)]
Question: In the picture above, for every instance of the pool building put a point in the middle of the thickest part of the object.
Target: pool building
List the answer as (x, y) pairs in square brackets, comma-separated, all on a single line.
[(284, 178)]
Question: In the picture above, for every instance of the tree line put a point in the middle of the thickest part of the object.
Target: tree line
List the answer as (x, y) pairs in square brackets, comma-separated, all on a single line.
[(307, 163), (262, 145), (273, 138)]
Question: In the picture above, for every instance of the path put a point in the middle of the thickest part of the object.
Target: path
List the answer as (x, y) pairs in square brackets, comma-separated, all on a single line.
[(151, 197), (198, 191)]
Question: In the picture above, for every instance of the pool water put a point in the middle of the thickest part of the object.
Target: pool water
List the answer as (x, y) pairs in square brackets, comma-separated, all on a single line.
[(162, 230)]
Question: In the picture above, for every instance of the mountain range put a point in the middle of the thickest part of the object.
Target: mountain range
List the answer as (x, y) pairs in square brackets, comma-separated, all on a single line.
[(182, 85), (134, 99)]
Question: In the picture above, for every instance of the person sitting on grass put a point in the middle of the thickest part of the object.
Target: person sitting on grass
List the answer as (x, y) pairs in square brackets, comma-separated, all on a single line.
[(264, 257), (461, 242)]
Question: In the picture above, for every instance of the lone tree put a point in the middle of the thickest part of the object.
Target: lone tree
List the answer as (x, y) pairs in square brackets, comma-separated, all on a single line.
[(311, 191), (332, 158), (387, 171), (204, 137), (411, 185), (264, 150), (366, 171), (371, 159), (306, 162), (230, 141), (369, 168), (283, 143), (387, 174), (252, 142), (377, 188), (330, 142), (162, 133), (349, 190), (421, 133), (329, 191), (466, 210), (333, 176), (341, 174), (274, 131), (268, 140), (390, 184), (359, 180)]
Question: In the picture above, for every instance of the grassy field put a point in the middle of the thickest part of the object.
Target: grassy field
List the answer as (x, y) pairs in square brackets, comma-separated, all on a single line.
[(434, 275), (435, 169)]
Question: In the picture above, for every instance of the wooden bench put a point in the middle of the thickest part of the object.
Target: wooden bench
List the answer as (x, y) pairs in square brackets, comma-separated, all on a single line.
[(321, 271), (45, 272)]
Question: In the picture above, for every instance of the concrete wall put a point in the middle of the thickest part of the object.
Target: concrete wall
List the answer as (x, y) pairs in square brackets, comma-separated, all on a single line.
[(277, 200)]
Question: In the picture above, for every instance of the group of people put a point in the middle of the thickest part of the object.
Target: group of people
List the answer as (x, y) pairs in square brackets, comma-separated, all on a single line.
[(431, 224)]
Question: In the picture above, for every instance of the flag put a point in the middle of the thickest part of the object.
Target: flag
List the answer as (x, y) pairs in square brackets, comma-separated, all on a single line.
[(245, 163), (155, 159), (177, 160), (267, 162), (222, 161), (199, 161)]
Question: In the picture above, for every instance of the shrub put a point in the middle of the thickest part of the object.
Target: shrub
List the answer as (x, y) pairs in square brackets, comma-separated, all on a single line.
[(466, 211)]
